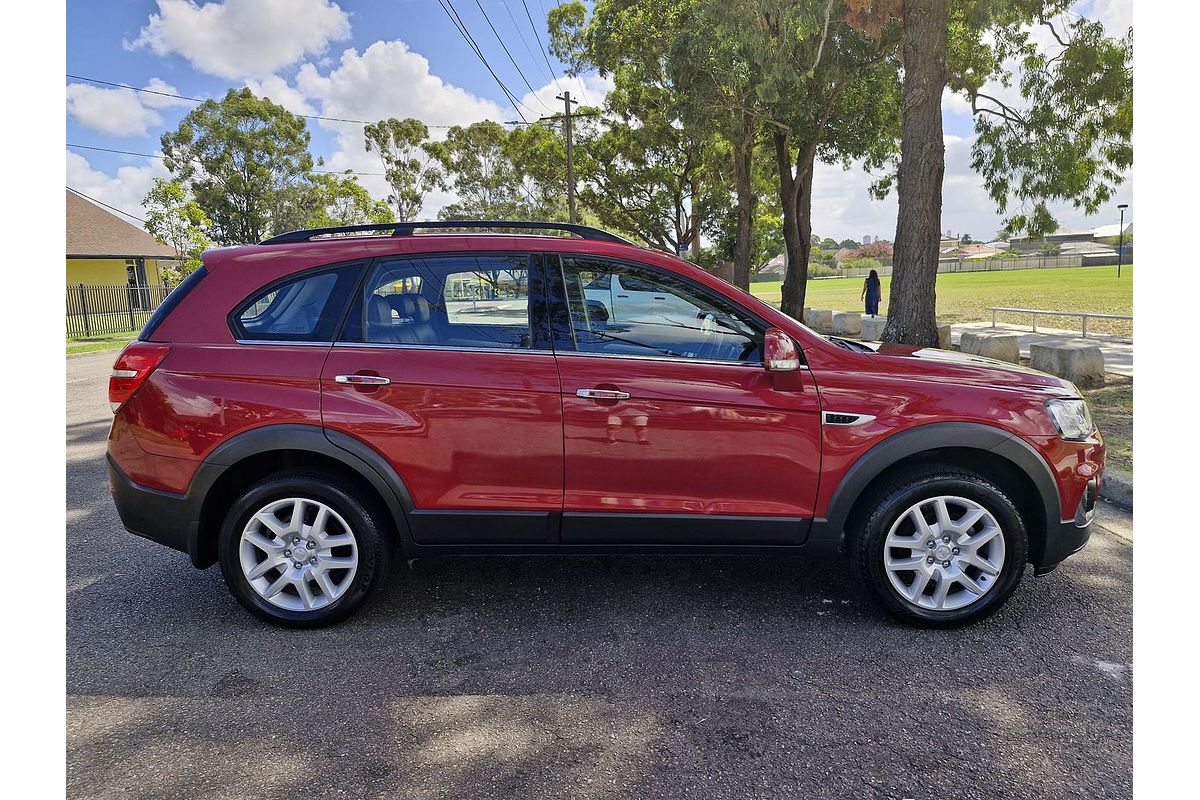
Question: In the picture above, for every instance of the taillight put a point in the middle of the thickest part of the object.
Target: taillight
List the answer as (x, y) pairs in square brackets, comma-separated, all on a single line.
[(133, 366)]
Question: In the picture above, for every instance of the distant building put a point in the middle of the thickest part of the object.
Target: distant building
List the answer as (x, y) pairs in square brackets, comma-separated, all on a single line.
[(867, 239)]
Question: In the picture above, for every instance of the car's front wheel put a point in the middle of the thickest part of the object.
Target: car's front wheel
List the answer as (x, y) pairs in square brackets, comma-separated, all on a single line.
[(299, 550), (941, 547)]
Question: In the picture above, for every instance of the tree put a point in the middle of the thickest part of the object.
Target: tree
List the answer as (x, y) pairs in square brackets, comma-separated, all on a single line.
[(410, 166), (849, 244), (642, 168), (176, 220), (325, 200), (481, 172), (639, 168), (1069, 139), (236, 156)]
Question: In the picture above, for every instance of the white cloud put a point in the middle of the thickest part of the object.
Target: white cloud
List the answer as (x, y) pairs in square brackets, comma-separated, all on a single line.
[(277, 90), (587, 90), (842, 207), (124, 190), (243, 38), (119, 112)]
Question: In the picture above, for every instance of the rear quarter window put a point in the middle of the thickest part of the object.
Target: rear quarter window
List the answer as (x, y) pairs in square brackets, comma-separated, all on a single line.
[(301, 308)]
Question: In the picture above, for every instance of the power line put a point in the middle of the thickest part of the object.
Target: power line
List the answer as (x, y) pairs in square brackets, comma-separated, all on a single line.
[(106, 205), (163, 158), (460, 26), (504, 47), (200, 100), (525, 43), (537, 38)]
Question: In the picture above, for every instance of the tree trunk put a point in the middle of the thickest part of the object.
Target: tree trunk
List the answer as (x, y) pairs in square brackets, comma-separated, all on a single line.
[(695, 220), (795, 196), (912, 303), (742, 162)]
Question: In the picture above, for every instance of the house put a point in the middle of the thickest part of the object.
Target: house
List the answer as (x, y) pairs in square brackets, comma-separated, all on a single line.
[(103, 249), (775, 269)]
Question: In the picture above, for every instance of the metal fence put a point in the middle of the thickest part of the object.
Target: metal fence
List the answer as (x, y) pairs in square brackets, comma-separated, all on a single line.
[(998, 264), (106, 310)]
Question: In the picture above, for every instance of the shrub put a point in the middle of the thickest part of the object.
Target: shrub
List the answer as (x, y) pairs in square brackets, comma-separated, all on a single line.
[(860, 263), (817, 270)]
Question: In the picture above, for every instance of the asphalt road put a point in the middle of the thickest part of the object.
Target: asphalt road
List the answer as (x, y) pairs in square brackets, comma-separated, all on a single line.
[(584, 677)]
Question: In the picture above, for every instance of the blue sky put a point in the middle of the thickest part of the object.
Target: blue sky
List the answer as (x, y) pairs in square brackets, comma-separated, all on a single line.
[(369, 59)]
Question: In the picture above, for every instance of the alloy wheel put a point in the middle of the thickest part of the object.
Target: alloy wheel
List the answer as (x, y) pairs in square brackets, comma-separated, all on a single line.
[(298, 554), (944, 553)]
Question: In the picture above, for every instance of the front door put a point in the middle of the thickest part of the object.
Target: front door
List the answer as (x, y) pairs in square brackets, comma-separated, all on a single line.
[(674, 432), (445, 369)]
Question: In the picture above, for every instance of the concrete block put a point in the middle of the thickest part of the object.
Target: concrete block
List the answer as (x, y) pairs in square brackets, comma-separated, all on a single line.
[(847, 324), (944, 336), (992, 344), (872, 327), (819, 319), (1077, 360)]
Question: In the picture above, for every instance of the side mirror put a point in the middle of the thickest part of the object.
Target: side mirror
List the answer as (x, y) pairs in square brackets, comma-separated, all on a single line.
[(779, 351)]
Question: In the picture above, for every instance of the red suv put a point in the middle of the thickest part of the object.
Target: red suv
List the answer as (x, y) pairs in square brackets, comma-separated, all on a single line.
[(307, 410)]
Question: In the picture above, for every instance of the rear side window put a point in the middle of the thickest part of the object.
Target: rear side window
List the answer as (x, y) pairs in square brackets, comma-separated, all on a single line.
[(173, 299), (303, 308)]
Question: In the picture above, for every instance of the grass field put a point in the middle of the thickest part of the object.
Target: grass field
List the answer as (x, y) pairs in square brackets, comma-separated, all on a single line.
[(965, 296)]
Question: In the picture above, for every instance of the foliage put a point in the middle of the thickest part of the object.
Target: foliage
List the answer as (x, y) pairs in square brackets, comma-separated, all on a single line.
[(879, 250), (822, 270), (237, 156), (501, 175), (326, 200), (860, 263), (176, 220), (410, 166)]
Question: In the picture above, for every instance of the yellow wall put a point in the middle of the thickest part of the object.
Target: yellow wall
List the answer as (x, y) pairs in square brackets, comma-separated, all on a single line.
[(106, 271)]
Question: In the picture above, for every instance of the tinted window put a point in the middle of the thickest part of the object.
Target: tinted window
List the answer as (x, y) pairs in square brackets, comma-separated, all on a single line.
[(627, 309), (305, 309), (451, 301)]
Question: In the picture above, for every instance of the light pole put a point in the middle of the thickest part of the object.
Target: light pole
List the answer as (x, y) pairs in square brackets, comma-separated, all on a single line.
[(1121, 238)]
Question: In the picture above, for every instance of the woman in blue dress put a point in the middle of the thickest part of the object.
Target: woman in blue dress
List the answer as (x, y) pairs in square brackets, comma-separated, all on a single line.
[(871, 293)]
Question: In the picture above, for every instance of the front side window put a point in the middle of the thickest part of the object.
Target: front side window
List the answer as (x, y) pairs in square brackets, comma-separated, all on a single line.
[(305, 308), (467, 300), (617, 308)]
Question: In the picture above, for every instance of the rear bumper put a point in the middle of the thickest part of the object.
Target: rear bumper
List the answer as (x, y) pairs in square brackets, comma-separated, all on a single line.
[(163, 517)]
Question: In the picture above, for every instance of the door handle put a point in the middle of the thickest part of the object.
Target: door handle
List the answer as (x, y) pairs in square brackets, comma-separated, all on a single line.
[(363, 380), (602, 394)]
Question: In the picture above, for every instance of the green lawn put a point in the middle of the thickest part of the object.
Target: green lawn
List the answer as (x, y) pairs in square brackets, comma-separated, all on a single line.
[(113, 342), (1112, 409), (965, 296)]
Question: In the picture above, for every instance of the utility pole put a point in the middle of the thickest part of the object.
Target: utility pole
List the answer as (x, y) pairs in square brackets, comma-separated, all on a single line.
[(1121, 238), (568, 134)]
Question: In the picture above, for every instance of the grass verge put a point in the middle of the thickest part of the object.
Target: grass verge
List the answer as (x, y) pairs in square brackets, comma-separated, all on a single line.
[(1112, 409), (114, 342)]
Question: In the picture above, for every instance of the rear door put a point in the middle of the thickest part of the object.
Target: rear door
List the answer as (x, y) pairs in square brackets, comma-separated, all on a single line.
[(674, 432), (444, 367)]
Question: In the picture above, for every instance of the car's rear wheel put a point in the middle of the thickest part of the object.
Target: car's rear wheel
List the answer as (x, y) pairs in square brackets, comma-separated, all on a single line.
[(941, 547), (300, 550)]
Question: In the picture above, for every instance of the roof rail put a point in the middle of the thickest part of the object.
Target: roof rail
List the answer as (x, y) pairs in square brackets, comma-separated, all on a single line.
[(407, 228)]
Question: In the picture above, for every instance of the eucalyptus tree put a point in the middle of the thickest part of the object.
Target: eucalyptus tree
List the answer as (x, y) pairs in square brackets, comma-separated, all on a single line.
[(410, 166), (236, 156), (1067, 137)]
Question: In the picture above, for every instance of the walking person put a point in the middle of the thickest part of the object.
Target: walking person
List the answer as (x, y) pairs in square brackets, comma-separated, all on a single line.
[(871, 293)]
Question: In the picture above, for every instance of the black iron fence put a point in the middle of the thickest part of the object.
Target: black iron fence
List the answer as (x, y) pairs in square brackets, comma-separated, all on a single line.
[(107, 310)]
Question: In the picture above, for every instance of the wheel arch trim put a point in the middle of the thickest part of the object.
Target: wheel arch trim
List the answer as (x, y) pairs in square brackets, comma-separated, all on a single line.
[(348, 451), (935, 436)]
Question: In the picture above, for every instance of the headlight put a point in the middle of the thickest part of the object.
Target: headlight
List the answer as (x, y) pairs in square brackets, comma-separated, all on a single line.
[(1071, 417)]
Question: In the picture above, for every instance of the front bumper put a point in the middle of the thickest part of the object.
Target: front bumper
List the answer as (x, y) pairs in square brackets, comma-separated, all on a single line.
[(1069, 536)]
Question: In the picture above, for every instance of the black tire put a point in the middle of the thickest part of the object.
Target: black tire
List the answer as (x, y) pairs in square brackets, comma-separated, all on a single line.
[(895, 497), (365, 523)]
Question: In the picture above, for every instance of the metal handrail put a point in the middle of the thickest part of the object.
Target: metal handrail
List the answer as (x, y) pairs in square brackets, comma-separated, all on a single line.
[(1084, 316)]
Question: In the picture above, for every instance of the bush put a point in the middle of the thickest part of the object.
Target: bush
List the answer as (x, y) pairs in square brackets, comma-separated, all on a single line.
[(816, 270), (860, 263)]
